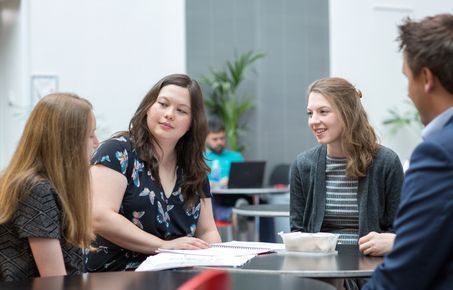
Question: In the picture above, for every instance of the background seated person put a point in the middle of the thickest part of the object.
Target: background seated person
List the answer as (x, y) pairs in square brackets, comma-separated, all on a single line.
[(219, 160)]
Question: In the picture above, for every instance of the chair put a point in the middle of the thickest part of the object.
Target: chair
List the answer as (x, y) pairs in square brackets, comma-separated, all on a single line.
[(279, 178), (208, 280), (280, 175)]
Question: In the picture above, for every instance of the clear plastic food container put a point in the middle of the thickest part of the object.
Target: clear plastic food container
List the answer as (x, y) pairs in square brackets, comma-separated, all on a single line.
[(309, 242)]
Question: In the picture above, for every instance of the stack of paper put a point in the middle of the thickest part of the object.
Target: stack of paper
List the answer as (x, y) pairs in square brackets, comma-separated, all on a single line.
[(164, 261)]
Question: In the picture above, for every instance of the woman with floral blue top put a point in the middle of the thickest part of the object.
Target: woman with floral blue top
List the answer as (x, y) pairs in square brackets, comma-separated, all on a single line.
[(150, 187)]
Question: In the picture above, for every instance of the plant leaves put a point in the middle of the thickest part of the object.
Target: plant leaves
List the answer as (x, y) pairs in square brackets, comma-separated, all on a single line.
[(223, 100), (398, 121)]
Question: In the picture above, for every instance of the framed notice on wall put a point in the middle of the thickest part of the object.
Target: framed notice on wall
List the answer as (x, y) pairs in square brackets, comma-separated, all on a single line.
[(42, 85)]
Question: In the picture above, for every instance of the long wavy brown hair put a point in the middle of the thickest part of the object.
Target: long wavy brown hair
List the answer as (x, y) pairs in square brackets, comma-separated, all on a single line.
[(358, 141), (189, 148), (53, 147)]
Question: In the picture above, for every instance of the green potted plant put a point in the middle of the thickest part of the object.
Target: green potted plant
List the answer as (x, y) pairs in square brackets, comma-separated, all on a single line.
[(224, 100), (408, 119)]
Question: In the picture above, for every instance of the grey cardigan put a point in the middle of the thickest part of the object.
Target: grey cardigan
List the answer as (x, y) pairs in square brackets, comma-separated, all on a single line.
[(378, 192)]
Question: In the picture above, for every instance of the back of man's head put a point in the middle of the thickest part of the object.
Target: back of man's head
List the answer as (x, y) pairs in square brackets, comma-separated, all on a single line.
[(429, 43), (215, 125)]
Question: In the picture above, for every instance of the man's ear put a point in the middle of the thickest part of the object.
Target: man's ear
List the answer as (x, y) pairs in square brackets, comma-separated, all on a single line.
[(429, 79)]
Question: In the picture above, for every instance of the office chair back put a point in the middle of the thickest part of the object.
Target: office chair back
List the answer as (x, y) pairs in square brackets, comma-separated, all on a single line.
[(280, 175)]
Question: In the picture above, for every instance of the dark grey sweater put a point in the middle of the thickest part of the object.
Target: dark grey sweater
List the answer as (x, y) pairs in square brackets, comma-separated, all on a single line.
[(378, 192)]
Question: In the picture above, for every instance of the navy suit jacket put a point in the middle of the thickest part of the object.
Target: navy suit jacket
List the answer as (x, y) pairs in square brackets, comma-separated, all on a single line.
[(422, 256)]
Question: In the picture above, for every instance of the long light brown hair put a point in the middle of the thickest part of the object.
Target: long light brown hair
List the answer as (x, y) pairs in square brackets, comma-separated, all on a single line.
[(189, 148), (53, 147), (358, 140)]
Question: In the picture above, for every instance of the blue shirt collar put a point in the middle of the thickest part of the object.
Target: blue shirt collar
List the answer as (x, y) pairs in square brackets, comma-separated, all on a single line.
[(437, 123)]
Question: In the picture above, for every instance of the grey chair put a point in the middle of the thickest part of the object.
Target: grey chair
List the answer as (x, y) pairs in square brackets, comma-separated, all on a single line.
[(279, 175)]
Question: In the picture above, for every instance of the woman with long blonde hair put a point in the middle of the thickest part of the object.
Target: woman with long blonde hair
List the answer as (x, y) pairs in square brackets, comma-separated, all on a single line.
[(45, 201)]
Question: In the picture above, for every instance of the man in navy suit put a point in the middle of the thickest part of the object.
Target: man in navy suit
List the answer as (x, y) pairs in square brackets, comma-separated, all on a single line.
[(422, 255)]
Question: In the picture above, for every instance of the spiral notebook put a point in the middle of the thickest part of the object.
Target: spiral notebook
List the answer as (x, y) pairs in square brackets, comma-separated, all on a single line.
[(231, 249)]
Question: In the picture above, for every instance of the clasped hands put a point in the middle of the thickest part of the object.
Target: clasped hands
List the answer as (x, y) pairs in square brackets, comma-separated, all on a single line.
[(376, 244)]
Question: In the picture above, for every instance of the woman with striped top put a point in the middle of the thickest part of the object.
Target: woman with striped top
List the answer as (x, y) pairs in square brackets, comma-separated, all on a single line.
[(348, 184)]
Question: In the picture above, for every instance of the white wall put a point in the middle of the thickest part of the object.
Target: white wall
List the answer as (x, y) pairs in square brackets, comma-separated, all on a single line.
[(364, 51), (13, 106), (108, 51)]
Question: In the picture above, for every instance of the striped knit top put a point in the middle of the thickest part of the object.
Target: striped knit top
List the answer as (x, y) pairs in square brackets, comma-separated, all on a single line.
[(341, 212)]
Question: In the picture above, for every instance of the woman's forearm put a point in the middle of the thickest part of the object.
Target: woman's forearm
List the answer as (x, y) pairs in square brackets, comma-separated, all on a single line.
[(48, 256), (122, 232)]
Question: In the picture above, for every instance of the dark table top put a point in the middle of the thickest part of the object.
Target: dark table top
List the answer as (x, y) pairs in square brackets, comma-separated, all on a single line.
[(348, 262), (168, 280), (273, 271)]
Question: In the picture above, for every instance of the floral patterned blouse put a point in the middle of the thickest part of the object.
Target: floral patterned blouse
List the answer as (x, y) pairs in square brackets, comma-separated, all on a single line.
[(144, 204)]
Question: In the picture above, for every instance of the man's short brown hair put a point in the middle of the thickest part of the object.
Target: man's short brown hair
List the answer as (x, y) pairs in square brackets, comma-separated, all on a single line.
[(429, 43)]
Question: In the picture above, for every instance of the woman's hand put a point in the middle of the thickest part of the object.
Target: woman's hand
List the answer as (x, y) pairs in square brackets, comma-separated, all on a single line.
[(185, 243), (376, 244)]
